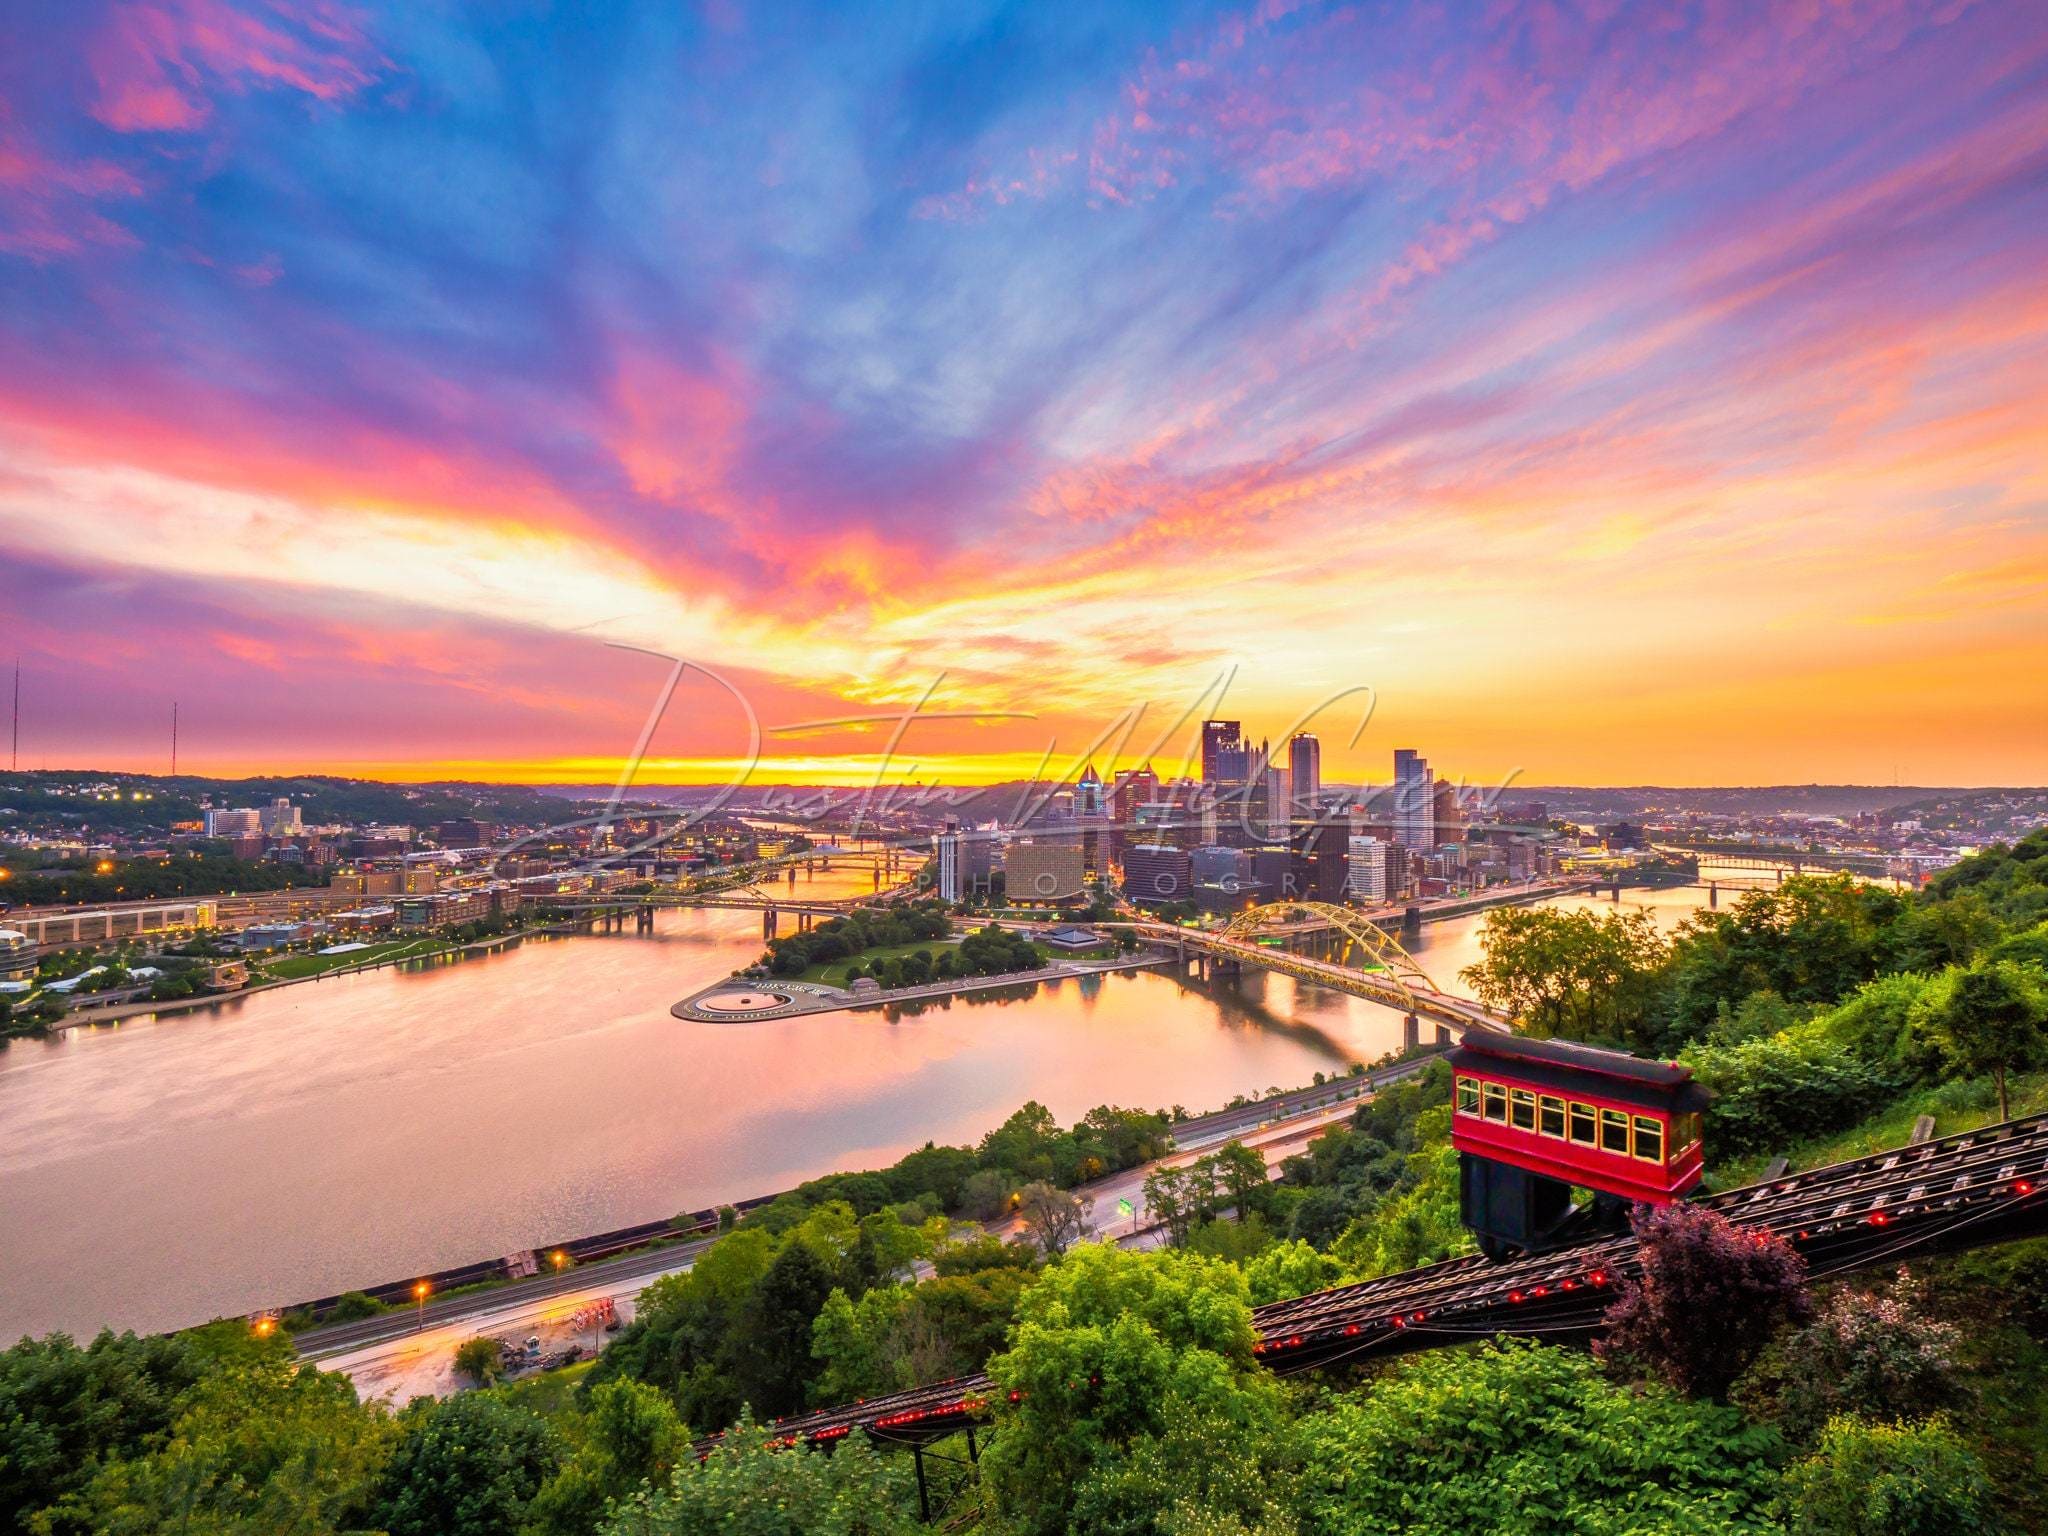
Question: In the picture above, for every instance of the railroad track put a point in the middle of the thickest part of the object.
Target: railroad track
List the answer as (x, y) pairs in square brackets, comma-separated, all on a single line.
[(1957, 1192)]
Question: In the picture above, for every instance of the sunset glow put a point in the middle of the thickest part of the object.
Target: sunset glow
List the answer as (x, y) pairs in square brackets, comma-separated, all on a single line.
[(1619, 395)]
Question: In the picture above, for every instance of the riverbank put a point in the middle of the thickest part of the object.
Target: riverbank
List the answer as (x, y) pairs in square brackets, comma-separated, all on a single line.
[(744, 1000), (399, 1122), (164, 1008)]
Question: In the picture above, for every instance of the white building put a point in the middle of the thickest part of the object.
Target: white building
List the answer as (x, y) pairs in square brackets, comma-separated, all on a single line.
[(242, 823), (946, 856), (1372, 873)]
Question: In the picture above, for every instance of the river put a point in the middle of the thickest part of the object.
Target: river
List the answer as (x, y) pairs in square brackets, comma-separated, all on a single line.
[(299, 1141)]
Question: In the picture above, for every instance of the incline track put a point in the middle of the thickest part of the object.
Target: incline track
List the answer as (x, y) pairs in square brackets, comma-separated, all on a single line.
[(1958, 1192)]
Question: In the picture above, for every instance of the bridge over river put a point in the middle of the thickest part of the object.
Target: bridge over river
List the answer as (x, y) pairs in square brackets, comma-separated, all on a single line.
[(1385, 973)]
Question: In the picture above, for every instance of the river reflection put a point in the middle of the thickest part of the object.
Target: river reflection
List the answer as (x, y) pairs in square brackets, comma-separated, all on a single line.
[(363, 1128)]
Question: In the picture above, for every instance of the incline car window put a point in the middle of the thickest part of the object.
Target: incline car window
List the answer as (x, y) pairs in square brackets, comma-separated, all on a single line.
[(1468, 1095), (1614, 1131), (1522, 1109), (1649, 1139), (1550, 1116), (1496, 1101), (1582, 1124)]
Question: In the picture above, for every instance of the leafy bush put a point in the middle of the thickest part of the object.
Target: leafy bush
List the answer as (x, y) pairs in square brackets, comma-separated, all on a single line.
[(1889, 1480), (1877, 1355), (466, 1466), (745, 1486), (1771, 1093), (65, 1410), (1518, 1440), (1710, 1296), (1135, 1384)]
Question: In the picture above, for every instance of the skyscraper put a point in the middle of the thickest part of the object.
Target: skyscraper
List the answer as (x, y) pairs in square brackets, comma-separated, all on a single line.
[(1272, 812), (1223, 753), (1138, 787), (946, 854), (1305, 769), (1088, 793), (1414, 801)]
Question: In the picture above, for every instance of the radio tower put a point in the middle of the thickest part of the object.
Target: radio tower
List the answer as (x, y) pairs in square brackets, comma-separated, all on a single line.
[(14, 751), (174, 738)]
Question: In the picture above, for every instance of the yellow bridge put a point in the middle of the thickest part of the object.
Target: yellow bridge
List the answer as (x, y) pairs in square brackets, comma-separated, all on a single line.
[(1371, 963)]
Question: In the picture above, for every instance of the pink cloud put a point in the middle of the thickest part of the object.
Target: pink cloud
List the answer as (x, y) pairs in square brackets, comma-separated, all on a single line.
[(47, 206), (155, 63)]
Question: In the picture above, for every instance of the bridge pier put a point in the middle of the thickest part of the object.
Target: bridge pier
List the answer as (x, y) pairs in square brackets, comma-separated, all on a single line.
[(1411, 921), (643, 920), (1411, 1032), (1713, 893), (768, 922), (1443, 1034)]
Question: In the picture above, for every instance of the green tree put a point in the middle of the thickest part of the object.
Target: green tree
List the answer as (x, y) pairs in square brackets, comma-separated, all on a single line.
[(1290, 1269), (1889, 1480), (1573, 973), (857, 1345), (1418, 1224), (466, 1466), (771, 1357), (746, 1488), (481, 1359), (64, 1411), (1122, 1362), (1241, 1173), (1812, 940), (1991, 1020), (259, 1445), (1053, 1217), (631, 1436), (1515, 1439)]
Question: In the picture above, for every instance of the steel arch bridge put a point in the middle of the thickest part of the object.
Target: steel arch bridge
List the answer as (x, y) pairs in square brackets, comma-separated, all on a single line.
[(1390, 976), (1361, 936)]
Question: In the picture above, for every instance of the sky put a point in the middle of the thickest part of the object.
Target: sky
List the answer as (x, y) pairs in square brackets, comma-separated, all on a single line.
[(1580, 393)]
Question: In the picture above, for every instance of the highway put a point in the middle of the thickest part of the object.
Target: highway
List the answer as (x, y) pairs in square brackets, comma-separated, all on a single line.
[(401, 1355)]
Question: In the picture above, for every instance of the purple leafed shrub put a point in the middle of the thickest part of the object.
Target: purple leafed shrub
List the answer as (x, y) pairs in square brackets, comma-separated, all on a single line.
[(1710, 1297)]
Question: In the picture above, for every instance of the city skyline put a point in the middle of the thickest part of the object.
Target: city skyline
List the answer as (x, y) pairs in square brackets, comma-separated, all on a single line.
[(1620, 405)]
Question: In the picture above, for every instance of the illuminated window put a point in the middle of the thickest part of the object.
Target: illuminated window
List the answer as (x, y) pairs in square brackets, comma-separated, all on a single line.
[(1496, 1100), (1614, 1131), (1468, 1095), (1522, 1109), (1649, 1139), (1550, 1116), (1685, 1130), (1583, 1124)]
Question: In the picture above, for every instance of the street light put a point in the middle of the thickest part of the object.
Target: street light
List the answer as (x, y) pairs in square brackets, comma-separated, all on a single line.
[(419, 1294), (559, 1259)]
